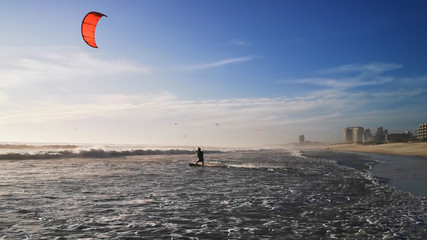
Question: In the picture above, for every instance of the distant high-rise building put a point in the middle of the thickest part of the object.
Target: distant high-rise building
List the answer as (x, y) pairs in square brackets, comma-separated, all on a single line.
[(301, 139), (422, 132), (381, 135), (367, 135), (348, 135), (354, 135), (399, 137), (358, 134)]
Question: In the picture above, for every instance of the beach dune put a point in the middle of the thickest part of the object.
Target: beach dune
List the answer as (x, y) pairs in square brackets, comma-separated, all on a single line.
[(399, 149)]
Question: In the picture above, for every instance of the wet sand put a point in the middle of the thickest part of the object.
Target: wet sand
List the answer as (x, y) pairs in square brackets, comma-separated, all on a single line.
[(402, 165), (397, 149), (405, 173)]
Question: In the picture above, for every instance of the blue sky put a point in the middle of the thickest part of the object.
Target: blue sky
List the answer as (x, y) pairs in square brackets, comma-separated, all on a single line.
[(229, 73)]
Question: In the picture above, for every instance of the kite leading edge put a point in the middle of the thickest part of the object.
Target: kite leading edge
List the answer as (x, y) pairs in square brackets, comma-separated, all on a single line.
[(88, 27)]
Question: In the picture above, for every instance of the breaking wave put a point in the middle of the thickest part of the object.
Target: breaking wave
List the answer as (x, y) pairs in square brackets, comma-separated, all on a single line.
[(297, 154), (33, 146), (92, 153)]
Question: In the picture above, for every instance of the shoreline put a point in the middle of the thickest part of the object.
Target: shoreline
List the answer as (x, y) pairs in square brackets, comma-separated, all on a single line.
[(401, 165), (395, 149), (406, 173)]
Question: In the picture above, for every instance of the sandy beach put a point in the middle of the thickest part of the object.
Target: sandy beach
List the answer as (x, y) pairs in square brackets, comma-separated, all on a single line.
[(398, 149)]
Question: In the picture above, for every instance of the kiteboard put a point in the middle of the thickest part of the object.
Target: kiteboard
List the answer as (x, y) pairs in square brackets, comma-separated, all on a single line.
[(195, 165), (209, 164)]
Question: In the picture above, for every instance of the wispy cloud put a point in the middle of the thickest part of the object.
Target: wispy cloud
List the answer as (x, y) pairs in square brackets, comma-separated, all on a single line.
[(375, 68), (341, 83), (220, 63), (24, 66), (280, 119), (161, 105), (348, 77), (165, 105), (363, 94)]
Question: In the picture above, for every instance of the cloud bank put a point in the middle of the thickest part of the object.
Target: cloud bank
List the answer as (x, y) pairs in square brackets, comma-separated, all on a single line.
[(336, 98)]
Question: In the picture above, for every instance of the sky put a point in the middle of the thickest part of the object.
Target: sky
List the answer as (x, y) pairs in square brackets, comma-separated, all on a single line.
[(211, 73)]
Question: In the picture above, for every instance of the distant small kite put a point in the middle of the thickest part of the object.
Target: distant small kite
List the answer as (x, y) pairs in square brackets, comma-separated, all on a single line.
[(88, 27), (216, 124)]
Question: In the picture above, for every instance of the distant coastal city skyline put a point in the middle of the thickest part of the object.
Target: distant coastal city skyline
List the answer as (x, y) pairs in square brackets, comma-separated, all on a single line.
[(364, 135)]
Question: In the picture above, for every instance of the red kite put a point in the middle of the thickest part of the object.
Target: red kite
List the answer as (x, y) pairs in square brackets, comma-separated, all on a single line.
[(88, 27)]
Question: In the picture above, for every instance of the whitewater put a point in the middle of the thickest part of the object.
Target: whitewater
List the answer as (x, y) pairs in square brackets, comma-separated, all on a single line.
[(148, 192)]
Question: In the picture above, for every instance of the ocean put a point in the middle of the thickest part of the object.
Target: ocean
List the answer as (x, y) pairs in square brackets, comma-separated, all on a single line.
[(148, 192)]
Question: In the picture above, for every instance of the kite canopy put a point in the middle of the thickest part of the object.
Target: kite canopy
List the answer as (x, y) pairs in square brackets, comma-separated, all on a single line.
[(88, 27)]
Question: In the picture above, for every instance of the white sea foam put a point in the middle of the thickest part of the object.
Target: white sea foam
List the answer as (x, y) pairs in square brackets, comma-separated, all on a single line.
[(296, 153), (137, 201), (159, 196)]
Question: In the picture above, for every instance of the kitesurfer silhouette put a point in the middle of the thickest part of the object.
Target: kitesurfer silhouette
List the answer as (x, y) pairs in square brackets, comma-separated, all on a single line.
[(200, 156)]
